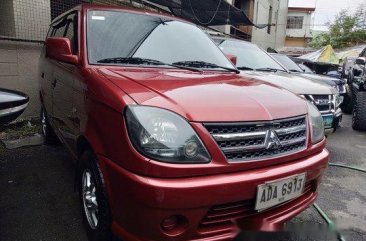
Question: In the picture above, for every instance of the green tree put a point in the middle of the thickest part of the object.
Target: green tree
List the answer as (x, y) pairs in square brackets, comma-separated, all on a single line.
[(346, 30)]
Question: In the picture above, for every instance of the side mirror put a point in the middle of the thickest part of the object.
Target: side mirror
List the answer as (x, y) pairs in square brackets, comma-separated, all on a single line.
[(60, 49), (360, 61), (232, 58), (340, 69)]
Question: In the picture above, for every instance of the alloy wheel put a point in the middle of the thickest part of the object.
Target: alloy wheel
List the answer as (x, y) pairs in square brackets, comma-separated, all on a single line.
[(44, 124), (90, 199)]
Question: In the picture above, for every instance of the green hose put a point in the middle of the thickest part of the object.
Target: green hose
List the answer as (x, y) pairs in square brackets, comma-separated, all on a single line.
[(329, 222), (349, 167), (322, 213)]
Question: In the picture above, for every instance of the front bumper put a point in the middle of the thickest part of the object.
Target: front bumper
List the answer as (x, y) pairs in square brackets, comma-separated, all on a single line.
[(214, 207), (337, 119)]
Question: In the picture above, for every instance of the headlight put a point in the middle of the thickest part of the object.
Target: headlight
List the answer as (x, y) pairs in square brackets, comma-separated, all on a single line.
[(164, 136), (316, 123)]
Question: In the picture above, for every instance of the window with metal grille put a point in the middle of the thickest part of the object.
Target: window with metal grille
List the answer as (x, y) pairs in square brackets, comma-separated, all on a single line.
[(295, 22)]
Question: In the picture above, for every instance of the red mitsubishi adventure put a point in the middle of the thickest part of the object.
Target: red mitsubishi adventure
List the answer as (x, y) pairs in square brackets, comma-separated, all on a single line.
[(170, 142)]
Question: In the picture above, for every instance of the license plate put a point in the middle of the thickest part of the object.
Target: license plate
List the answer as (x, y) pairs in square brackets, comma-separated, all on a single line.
[(328, 121), (273, 193)]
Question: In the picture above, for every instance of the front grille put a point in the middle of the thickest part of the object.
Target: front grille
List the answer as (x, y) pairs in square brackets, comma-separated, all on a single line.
[(225, 215), (246, 141), (324, 103)]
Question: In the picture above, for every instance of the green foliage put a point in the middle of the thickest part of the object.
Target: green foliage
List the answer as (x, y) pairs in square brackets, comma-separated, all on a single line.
[(346, 30), (320, 40)]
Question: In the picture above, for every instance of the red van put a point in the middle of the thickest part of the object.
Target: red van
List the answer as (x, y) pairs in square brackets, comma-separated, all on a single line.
[(170, 142)]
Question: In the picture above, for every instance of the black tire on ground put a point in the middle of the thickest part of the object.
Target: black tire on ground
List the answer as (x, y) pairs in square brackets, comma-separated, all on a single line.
[(347, 104), (50, 138), (359, 112), (101, 230)]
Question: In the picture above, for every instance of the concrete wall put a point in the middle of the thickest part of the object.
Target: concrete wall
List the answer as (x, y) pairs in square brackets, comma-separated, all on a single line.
[(7, 24), (19, 71), (276, 38), (32, 19), (21, 19), (281, 24), (305, 30), (296, 42)]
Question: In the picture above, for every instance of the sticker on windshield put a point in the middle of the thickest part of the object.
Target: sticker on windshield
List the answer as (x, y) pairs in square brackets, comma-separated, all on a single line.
[(98, 17)]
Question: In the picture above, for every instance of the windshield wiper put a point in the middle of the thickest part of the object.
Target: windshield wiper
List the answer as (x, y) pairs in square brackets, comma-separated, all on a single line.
[(203, 64), (142, 61), (270, 69), (244, 68), (295, 70)]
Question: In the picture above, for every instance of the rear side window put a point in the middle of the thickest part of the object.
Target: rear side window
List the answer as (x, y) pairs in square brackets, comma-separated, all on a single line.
[(71, 33), (67, 28), (59, 29)]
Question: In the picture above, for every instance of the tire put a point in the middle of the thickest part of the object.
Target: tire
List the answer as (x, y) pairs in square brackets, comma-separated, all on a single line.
[(347, 104), (50, 138), (359, 112), (93, 199)]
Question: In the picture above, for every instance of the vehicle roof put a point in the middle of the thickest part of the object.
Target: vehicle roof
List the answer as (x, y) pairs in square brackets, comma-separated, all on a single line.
[(89, 6), (232, 39)]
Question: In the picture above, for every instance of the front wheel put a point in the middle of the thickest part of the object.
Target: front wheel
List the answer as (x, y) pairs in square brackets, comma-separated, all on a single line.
[(93, 199), (359, 112)]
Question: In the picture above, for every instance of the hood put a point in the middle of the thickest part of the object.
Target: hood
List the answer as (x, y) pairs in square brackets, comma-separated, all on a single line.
[(323, 79), (291, 82), (206, 96)]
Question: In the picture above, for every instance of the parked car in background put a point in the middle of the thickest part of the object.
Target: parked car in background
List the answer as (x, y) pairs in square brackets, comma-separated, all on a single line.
[(294, 68), (348, 62), (170, 142), (12, 105), (256, 63), (303, 71), (335, 73), (305, 68), (357, 84)]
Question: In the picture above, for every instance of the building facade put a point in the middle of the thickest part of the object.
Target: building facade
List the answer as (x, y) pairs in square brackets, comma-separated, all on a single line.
[(299, 22), (271, 12), (274, 13)]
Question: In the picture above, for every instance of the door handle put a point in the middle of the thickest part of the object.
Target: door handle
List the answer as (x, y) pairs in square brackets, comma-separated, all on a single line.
[(54, 82)]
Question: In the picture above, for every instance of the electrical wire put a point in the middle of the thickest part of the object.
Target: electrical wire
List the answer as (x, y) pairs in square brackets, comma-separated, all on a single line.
[(213, 16)]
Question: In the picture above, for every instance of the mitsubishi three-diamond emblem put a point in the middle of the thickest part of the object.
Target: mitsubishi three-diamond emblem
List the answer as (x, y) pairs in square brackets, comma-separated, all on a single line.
[(272, 141)]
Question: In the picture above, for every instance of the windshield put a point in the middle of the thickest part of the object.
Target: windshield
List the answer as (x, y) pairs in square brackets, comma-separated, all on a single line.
[(129, 39), (305, 68), (287, 62), (249, 55)]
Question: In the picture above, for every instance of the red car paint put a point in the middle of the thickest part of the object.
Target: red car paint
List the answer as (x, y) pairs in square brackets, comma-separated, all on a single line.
[(86, 106)]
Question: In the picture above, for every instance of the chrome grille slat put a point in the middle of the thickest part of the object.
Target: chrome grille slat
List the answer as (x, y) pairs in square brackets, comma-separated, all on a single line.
[(238, 136), (293, 141), (245, 141), (324, 103), (291, 130), (242, 148)]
